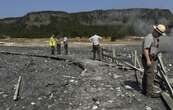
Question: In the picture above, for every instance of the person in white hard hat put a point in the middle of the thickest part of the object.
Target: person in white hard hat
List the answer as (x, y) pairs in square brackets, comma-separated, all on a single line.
[(150, 48)]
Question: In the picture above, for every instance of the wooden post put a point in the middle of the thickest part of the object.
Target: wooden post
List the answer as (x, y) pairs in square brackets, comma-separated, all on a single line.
[(135, 64), (17, 88), (135, 59), (113, 55), (132, 56)]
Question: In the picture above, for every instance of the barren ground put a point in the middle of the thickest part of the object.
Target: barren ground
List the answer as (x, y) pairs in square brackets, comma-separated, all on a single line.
[(61, 84)]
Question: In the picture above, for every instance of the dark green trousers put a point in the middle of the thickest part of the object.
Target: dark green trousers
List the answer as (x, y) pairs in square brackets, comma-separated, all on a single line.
[(66, 49), (148, 77), (96, 50), (52, 50), (58, 46)]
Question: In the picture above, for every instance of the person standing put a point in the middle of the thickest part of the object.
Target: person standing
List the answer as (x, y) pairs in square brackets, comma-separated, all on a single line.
[(150, 48), (65, 41), (52, 44), (58, 46), (95, 40)]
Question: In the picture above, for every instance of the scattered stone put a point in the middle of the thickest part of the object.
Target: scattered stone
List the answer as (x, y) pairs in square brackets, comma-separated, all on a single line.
[(94, 107), (110, 101), (21, 97), (72, 80), (139, 100), (40, 98), (109, 74), (49, 106), (115, 76), (97, 102), (122, 95), (4, 95), (1, 93), (170, 65), (118, 89), (111, 88), (128, 87), (70, 103), (33, 103), (8, 108), (148, 108), (99, 89), (51, 96)]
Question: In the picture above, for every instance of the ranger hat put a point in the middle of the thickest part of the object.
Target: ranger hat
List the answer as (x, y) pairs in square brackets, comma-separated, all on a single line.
[(160, 29)]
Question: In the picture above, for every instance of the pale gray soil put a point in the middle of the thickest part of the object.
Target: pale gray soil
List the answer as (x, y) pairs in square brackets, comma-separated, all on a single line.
[(62, 84)]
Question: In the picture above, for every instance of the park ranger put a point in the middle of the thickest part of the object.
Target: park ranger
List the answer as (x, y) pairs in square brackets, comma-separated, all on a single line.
[(149, 51), (96, 45)]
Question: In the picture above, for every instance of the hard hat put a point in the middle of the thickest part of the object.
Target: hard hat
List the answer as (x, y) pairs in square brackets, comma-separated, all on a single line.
[(160, 29)]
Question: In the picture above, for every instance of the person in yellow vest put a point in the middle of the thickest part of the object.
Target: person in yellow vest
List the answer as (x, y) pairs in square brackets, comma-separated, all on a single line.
[(52, 44)]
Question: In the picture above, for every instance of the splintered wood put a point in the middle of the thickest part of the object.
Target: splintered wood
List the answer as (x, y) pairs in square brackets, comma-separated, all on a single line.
[(15, 97)]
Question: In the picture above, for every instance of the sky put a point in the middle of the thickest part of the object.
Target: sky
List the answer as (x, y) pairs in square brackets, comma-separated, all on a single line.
[(15, 8)]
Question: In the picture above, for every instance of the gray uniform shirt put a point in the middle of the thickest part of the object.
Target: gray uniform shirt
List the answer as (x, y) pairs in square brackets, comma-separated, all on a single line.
[(151, 43)]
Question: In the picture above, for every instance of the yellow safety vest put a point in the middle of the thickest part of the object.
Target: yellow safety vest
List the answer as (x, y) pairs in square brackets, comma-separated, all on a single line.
[(52, 41)]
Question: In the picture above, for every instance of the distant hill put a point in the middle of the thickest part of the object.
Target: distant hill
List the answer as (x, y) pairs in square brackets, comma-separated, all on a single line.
[(115, 23)]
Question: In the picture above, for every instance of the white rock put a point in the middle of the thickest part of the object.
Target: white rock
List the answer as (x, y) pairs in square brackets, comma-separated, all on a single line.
[(128, 87), (111, 88), (97, 102), (4, 95), (94, 107), (118, 89), (8, 108), (170, 64), (51, 96), (148, 108), (72, 80), (115, 76), (40, 98), (49, 106), (1, 93), (110, 101), (32, 103)]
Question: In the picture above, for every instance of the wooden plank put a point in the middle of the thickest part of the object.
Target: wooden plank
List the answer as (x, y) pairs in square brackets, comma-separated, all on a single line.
[(137, 60), (167, 82), (141, 70), (163, 73), (132, 56), (161, 62), (168, 100), (17, 88), (136, 73)]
